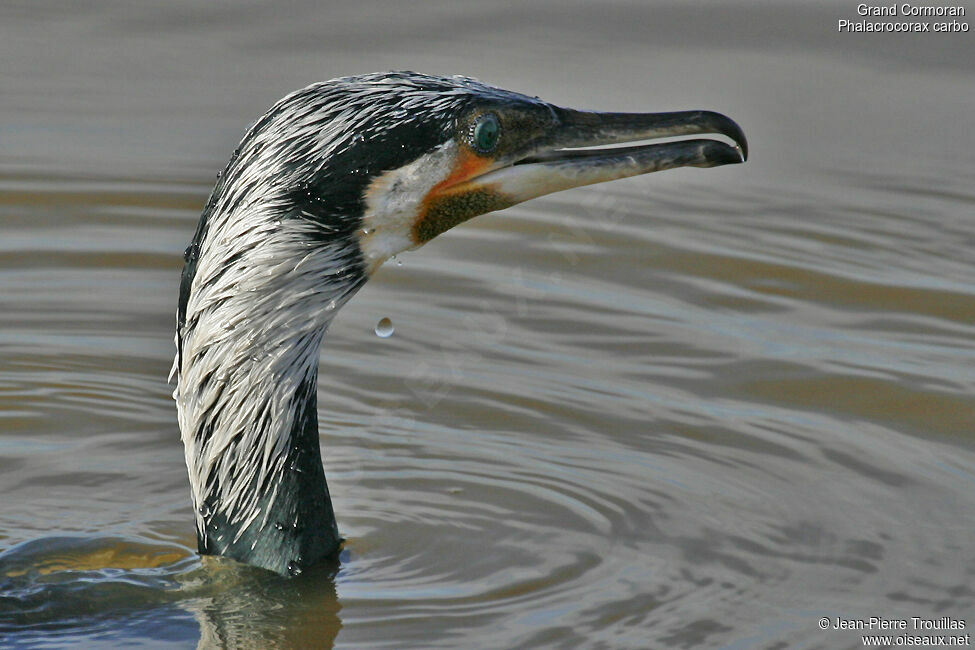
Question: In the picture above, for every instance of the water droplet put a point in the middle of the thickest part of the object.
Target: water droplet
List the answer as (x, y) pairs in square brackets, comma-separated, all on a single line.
[(279, 525), (219, 174), (399, 262), (330, 306), (384, 328)]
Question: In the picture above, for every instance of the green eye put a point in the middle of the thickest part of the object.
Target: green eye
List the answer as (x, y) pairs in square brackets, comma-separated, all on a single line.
[(486, 133)]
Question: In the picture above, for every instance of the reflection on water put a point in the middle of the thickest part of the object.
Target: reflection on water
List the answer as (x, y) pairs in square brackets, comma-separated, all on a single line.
[(701, 408), (70, 588)]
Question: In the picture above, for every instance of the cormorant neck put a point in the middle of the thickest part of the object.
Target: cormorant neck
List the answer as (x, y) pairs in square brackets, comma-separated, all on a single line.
[(290, 524), (246, 396), (256, 465)]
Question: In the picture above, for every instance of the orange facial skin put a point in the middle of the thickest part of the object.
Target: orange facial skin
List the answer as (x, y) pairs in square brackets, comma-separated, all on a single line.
[(467, 166), (455, 200)]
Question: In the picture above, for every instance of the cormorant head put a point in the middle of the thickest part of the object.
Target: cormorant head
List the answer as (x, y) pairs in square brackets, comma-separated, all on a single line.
[(395, 159)]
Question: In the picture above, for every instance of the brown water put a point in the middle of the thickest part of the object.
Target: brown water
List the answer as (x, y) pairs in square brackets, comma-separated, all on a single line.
[(702, 408)]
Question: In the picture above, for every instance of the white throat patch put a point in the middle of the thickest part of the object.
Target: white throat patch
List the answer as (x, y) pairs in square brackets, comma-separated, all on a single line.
[(394, 201)]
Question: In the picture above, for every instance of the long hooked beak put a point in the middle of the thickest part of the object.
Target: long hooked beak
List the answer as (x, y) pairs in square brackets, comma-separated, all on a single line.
[(565, 165), (567, 158)]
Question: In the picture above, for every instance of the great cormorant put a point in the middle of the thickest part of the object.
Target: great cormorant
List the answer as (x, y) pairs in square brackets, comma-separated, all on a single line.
[(332, 181)]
